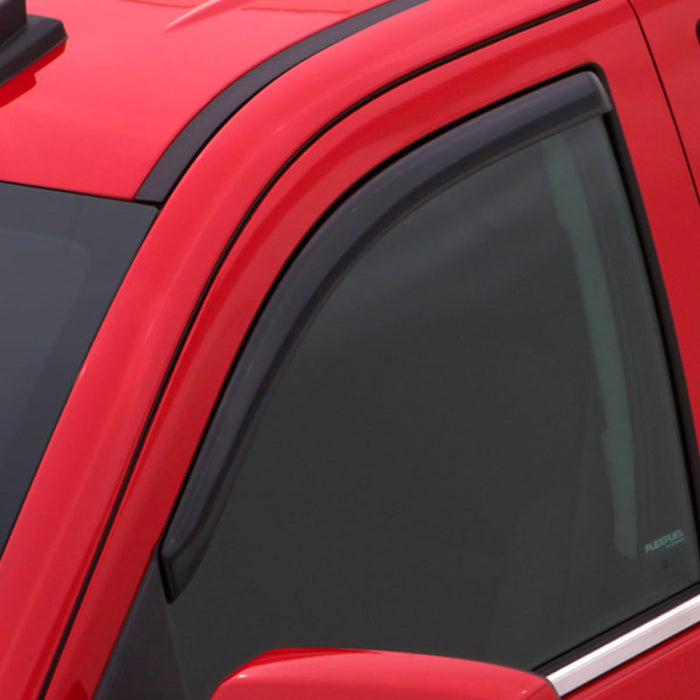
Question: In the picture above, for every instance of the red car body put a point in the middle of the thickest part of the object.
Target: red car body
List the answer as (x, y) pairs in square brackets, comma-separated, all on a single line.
[(95, 116)]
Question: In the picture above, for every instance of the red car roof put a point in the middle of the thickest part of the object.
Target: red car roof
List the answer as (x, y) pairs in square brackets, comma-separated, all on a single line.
[(96, 114)]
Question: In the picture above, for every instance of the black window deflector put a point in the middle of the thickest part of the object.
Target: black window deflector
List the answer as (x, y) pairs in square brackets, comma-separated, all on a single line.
[(378, 205), (25, 38)]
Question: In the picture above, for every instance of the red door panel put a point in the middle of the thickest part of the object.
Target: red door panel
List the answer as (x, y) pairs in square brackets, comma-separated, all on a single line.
[(214, 195), (672, 28), (667, 671)]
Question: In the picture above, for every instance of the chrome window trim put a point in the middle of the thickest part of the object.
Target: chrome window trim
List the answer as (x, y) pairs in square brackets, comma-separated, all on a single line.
[(626, 647)]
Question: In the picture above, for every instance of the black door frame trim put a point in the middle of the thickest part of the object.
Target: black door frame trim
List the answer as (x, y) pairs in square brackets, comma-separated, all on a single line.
[(202, 127), (178, 156)]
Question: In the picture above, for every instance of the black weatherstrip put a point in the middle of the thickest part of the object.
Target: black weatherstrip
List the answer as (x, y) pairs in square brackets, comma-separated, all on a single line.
[(192, 139)]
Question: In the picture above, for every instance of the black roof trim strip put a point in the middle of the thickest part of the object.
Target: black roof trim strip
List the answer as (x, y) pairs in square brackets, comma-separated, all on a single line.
[(192, 139), (33, 41)]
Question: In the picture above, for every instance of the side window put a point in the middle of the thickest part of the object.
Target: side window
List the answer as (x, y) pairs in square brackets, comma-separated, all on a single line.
[(472, 448)]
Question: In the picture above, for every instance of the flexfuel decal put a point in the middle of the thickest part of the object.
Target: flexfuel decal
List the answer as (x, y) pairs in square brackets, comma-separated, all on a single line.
[(665, 542)]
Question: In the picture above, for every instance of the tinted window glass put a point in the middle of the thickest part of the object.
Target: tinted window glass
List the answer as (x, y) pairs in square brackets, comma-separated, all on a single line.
[(473, 450), (62, 257)]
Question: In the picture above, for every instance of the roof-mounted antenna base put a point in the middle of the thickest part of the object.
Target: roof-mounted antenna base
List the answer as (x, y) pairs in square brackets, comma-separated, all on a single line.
[(25, 38)]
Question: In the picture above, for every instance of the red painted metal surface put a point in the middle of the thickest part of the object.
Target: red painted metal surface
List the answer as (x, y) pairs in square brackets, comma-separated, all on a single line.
[(114, 99), (319, 674), (96, 115), (80, 476), (671, 28), (667, 671)]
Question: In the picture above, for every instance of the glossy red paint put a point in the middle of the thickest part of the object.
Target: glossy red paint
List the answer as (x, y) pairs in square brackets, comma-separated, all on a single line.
[(671, 29), (667, 671), (98, 113), (67, 509), (319, 674), (71, 499), (117, 98)]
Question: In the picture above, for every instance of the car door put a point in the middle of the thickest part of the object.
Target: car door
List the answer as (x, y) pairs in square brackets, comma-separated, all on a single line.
[(672, 30), (564, 313)]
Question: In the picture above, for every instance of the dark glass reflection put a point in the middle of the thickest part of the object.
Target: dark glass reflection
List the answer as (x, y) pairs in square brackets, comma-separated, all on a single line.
[(474, 447), (62, 258)]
